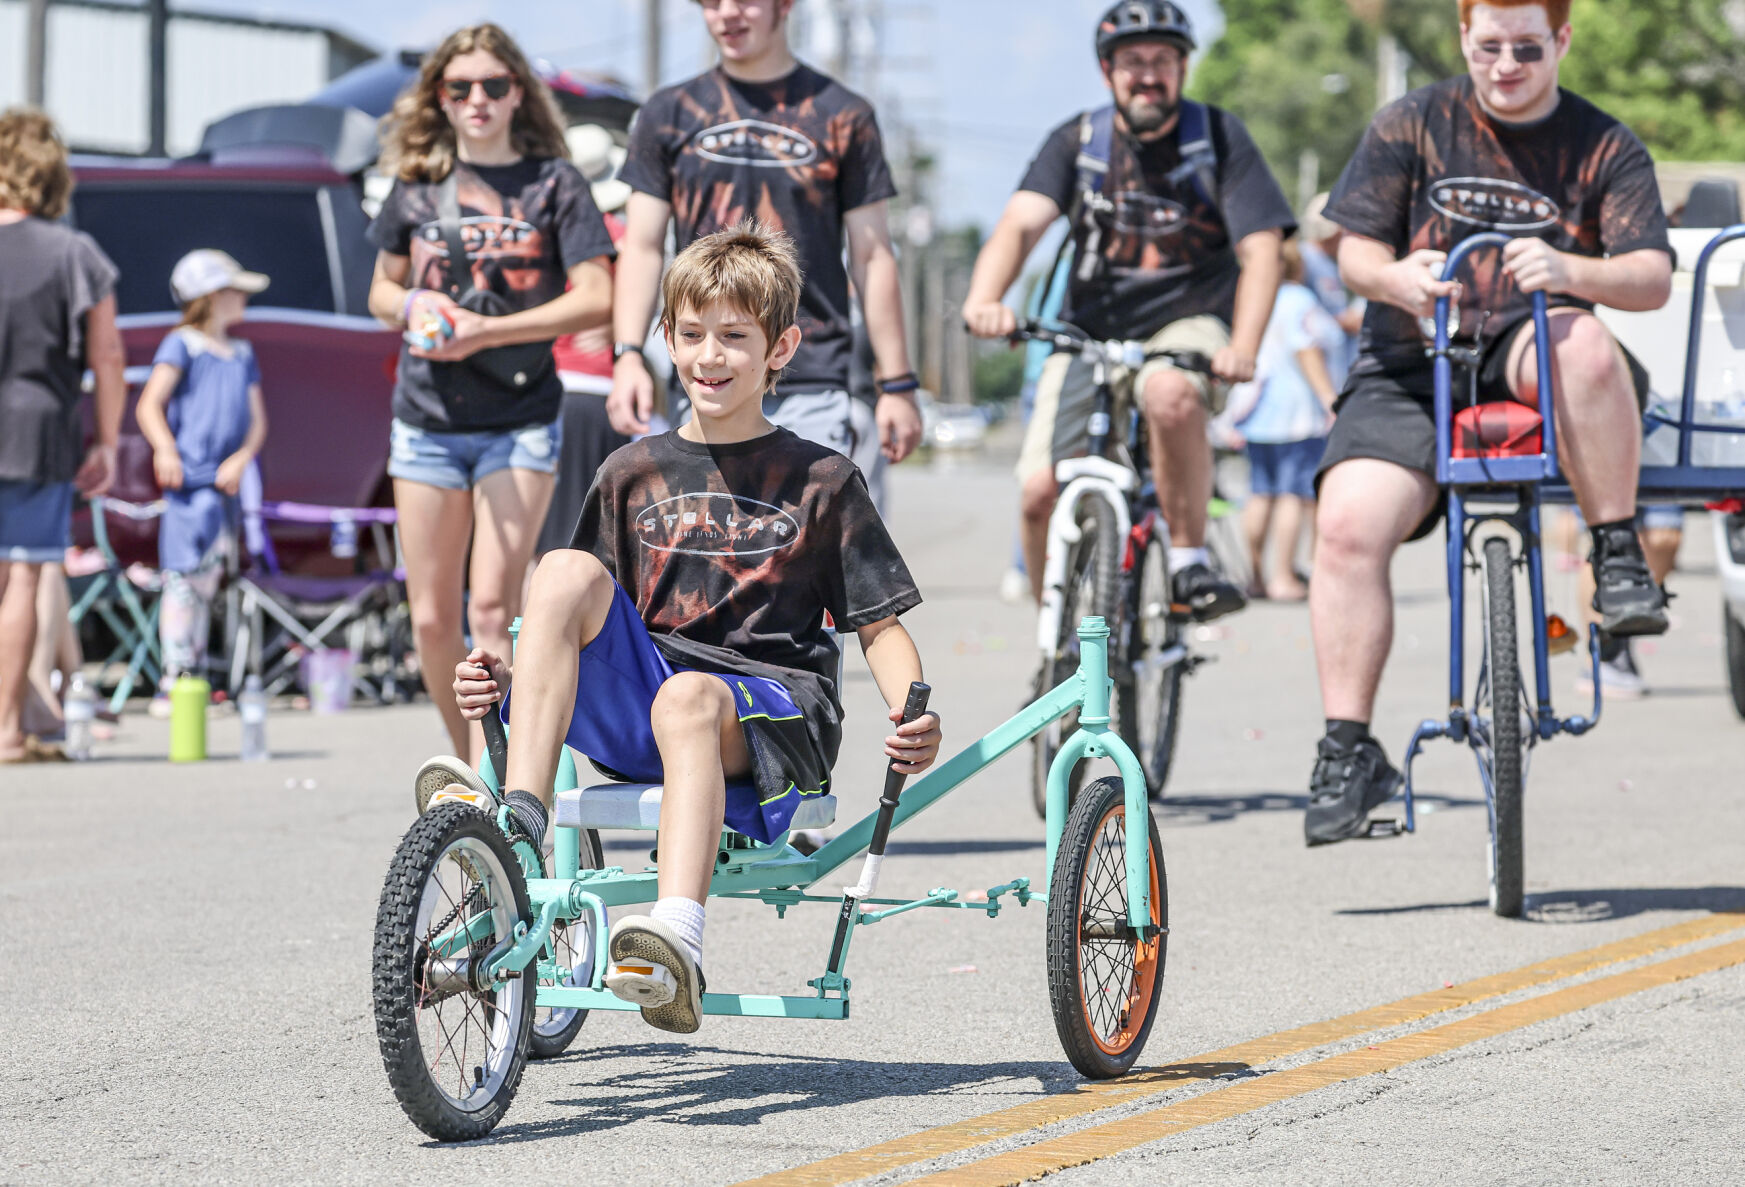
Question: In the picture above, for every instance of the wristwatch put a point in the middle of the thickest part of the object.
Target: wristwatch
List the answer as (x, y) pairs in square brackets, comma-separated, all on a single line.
[(620, 349)]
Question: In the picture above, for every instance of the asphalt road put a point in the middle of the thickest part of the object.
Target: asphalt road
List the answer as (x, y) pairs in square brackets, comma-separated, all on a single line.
[(185, 979)]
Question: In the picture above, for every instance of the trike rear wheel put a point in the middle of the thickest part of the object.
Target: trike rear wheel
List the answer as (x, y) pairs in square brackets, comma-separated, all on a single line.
[(573, 947), (1104, 979), (1091, 572), (1505, 755), (454, 1051), (1734, 630), (1148, 709)]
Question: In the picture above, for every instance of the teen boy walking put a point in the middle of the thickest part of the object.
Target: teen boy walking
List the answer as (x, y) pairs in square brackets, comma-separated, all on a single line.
[(764, 136), (681, 638)]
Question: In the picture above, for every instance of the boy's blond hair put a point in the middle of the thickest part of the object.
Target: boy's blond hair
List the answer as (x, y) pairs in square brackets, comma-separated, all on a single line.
[(754, 270)]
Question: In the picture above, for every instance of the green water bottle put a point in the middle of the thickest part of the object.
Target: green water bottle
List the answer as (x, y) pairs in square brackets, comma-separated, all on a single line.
[(189, 696)]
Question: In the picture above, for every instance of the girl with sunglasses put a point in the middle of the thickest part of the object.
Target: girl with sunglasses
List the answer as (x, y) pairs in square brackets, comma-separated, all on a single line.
[(487, 223)]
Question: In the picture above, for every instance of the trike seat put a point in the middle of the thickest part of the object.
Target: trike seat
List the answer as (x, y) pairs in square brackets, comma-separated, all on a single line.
[(1500, 429), (637, 806)]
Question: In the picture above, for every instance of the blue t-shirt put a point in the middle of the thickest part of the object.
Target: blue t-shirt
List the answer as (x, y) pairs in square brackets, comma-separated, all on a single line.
[(209, 410), (1287, 408)]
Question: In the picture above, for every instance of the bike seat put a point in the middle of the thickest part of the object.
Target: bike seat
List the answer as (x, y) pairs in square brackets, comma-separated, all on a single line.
[(1501, 429), (637, 806)]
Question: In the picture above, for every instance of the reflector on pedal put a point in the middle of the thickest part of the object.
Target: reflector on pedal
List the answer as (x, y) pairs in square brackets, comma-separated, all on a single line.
[(1503, 429)]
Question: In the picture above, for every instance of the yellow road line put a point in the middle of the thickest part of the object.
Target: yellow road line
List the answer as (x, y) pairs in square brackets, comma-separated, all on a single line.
[(1102, 1141), (1092, 1096)]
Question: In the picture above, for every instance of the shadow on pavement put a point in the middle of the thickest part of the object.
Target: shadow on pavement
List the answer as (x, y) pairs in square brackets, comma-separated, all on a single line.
[(1592, 906), (715, 1086), (1211, 809)]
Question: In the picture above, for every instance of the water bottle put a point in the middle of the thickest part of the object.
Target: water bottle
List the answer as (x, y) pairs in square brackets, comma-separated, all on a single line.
[(78, 710), (1660, 441), (343, 543), (189, 696), (252, 707), (1725, 407)]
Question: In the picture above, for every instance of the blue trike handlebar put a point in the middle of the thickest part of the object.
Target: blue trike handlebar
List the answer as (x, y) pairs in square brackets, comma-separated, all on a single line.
[(1445, 366)]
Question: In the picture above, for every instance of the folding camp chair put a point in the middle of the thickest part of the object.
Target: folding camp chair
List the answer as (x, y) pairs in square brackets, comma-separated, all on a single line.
[(119, 596)]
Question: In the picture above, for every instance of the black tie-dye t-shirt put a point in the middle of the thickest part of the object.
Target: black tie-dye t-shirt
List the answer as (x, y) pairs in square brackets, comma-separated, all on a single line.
[(1168, 251), (1434, 169), (524, 227), (734, 553), (797, 154)]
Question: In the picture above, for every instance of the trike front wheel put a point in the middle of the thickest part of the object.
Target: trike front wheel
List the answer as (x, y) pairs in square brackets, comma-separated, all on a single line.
[(1503, 748), (454, 1044), (1104, 978)]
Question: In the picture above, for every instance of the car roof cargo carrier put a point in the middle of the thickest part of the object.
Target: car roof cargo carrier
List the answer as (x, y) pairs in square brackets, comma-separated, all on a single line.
[(343, 137)]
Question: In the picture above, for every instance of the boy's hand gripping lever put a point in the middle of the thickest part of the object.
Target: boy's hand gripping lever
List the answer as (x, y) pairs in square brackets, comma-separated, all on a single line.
[(914, 707)]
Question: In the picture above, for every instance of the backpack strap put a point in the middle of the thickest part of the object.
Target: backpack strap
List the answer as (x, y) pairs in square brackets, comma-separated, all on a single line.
[(1199, 154), (1096, 144), (448, 224)]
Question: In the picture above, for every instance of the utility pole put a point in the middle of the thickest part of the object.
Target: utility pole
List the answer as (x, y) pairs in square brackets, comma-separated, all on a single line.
[(158, 12), (36, 54), (651, 30)]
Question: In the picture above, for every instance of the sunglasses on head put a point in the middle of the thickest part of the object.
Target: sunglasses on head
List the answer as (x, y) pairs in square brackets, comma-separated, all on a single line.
[(1525, 52), (459, 90)]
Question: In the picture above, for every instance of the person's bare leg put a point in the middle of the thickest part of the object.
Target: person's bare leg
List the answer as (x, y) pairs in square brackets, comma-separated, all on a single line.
[(1256, 517), (701, 746), (1035, 504), (436, 525), (1367, 509), (42, 707), (1599, 442), (572, 594), (1660, 546), (18, 585), (508, 510), (1181, 457), (1287, 531)]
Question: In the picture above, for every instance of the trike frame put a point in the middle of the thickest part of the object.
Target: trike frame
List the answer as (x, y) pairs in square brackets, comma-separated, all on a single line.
[(1528, 481), (781, 876)]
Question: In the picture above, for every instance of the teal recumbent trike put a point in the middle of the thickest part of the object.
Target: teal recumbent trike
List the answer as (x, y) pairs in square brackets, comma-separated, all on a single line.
[(481, 961)]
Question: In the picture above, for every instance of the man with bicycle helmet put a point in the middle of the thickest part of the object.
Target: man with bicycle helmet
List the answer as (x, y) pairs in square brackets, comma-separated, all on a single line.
[(1176, 225), (1500, 148)]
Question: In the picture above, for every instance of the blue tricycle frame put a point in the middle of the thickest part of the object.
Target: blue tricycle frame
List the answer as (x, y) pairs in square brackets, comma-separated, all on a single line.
[(1509, 491), (504, 932)]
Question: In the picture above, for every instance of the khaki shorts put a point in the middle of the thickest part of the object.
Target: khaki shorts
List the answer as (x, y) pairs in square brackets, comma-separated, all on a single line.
[(1066, 394)]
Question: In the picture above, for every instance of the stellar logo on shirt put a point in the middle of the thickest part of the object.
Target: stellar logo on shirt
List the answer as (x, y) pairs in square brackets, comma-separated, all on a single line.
[(1489, 202), (716, 525), (754, 142), (1140, 213), (485, 236)]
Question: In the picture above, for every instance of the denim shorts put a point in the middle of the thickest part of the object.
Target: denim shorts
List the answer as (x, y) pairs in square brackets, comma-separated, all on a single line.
[(457, 461), (36, 521), (1285, 468)]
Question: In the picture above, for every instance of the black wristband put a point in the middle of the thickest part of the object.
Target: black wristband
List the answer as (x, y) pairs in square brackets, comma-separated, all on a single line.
[(620, 349), (899, 385)]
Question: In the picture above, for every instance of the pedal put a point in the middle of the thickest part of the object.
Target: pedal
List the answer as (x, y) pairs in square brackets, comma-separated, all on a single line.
[(1381, 829), (642, 984), (456, 794), (1560, 638)]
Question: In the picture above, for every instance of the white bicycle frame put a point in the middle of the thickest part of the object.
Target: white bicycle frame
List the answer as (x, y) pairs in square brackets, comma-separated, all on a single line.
[(1080, 478)]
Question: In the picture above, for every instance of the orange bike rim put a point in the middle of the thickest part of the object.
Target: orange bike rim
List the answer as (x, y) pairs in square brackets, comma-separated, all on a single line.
[(1133, 1011)]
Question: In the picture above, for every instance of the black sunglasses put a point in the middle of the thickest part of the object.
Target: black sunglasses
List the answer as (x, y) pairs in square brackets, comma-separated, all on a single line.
[(459, 90), (1524, 52)]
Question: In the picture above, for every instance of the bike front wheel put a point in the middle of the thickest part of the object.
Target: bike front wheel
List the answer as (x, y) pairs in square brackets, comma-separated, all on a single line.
[(1091, 573), (1104, 979), (1502, 739), (1148, 708), (454, 1044)]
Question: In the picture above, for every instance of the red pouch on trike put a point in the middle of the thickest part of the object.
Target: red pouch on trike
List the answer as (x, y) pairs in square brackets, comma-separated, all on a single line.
[(1501, 429)]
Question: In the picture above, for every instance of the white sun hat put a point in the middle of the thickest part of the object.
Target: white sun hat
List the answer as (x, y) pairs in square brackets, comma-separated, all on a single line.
[(599, 157), (206, 271)]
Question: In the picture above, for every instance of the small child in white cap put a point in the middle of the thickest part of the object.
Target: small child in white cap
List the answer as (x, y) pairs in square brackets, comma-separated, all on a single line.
[(203, 413)]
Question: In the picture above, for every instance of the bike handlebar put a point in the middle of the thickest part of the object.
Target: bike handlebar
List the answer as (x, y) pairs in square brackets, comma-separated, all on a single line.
[(1072, 340)]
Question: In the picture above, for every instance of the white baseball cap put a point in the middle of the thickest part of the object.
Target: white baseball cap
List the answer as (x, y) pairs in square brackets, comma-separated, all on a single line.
[(203, 272)]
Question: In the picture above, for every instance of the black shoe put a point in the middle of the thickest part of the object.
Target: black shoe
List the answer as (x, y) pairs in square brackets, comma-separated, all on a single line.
[(1630, 602), (1206, 594), (1346, 786)]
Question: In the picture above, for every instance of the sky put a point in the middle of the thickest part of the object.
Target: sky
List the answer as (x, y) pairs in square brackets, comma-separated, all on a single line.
[(982, 80)]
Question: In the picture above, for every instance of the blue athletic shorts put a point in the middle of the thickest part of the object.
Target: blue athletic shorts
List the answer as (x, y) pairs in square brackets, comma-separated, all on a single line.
[(620, 672), (36, 521), (1285, 469), (457, 461)]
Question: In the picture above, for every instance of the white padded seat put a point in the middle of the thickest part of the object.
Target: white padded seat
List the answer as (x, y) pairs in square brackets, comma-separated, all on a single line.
[(637, 806)]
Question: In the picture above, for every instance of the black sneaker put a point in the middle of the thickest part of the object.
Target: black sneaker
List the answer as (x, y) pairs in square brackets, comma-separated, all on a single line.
[(1346, 786), (1205, 593), (1629, 601)]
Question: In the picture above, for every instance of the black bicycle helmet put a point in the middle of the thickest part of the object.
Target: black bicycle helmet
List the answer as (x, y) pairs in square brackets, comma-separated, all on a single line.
[(1131, 20)]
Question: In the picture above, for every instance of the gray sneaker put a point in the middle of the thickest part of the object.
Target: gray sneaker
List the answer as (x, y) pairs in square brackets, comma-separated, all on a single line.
[(440, 772), (1345, 787)]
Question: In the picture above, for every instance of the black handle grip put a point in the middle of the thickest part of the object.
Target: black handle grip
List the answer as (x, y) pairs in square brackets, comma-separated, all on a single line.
[(497, 746), (913, 707)]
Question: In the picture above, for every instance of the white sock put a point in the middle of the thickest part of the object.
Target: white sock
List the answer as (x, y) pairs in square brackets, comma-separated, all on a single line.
[(1181, 558), (684, 916)]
